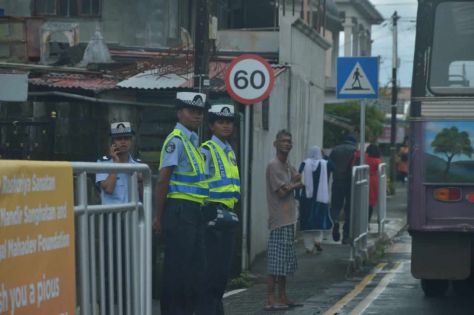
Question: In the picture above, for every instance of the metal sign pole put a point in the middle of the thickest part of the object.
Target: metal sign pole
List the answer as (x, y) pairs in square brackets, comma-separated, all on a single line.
[(245, 192), (362, 132)]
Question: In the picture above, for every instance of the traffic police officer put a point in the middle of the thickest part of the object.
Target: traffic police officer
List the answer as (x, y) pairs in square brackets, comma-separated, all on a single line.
[(113, 186), (180, 192), (224, 193)]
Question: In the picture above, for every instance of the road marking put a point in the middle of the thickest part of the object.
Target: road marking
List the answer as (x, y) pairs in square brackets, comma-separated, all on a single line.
[(227, 294), (357, 289), (399, 248), (364, 304)]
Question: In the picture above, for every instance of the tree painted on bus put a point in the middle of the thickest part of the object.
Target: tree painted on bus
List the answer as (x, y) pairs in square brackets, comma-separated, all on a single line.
[(452, 142)]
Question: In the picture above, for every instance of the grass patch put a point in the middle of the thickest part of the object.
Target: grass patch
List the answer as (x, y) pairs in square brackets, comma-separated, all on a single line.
[(244, 280), (379, 251)]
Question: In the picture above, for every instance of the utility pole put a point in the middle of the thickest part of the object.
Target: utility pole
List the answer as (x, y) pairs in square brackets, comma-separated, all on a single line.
[(201, 45), (393, 121)]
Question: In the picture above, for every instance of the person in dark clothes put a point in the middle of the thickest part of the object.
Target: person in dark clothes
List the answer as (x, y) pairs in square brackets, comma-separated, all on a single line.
[(341, 156), (224, 193)]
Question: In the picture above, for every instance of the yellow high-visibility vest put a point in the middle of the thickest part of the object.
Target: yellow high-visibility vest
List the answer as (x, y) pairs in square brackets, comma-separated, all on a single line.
[(188, 185), (224, 185)]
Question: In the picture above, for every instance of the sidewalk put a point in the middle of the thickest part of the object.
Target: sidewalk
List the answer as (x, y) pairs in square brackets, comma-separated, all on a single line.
[(316, 272)]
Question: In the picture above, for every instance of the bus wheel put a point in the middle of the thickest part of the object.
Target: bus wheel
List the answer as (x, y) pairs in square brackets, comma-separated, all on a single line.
[(434, 288), (463, 287)]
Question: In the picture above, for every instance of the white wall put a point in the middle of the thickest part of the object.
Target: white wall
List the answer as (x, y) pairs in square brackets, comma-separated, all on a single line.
[(304, 51), (262, 151), (247, 40), (307, 61)]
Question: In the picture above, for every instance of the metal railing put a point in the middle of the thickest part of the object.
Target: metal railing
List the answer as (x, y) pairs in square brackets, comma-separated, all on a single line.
[(382, 198), (114, 245), (359, 218)]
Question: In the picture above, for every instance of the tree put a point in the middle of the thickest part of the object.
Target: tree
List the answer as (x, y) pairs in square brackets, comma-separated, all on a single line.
[(452, 142), (350, 112)]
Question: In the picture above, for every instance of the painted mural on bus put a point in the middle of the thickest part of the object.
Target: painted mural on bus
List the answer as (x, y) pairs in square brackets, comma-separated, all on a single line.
[(449, 151)]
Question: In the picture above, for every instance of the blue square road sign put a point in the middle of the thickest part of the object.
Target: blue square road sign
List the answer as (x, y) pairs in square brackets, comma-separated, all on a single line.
[(357, 77)]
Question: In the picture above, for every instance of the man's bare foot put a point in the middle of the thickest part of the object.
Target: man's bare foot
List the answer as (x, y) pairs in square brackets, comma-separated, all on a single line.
[(271, 300), (284, 300)]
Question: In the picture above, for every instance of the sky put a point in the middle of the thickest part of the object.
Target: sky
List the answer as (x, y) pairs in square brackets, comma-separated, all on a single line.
[(383, 39)]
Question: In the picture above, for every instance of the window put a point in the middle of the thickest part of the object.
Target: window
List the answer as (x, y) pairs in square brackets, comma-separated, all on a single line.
[(71, 8), (452, 65)]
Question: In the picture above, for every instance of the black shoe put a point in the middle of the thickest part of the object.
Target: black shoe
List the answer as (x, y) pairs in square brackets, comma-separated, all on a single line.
[(318, 247), (346, 241), (336, 235)]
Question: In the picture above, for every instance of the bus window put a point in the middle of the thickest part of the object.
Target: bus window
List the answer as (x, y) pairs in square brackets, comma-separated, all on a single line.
[(452, 60)]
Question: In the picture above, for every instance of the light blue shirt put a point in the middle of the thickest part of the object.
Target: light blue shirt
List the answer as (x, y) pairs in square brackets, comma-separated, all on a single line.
[(209, 165), (120, 193), (174, 154)]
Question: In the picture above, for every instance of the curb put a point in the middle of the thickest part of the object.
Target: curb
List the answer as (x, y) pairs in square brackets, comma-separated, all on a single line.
[(371, 251)]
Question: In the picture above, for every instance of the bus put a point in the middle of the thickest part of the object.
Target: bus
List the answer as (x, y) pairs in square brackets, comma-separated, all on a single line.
[(441, 142)]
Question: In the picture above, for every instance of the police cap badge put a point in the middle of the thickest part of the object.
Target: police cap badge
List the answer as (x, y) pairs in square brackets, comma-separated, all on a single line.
[(221, 111), (190, 99), (121, 129)]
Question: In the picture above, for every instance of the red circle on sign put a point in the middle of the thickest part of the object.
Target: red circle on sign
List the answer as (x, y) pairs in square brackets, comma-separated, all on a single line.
[(258, 95)]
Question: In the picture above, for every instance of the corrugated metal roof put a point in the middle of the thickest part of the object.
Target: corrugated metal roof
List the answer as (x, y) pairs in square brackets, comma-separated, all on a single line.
[(159, 80), (172, 76), (75, 81), (152, 79)]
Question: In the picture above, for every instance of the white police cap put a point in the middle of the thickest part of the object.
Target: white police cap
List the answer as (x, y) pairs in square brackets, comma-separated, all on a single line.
[(222, 111), (190, 99), (121, 129)]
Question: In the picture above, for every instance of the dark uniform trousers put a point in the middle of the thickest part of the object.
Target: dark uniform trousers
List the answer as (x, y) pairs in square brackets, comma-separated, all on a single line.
[(184, 261), (219, 249), (341, 197)]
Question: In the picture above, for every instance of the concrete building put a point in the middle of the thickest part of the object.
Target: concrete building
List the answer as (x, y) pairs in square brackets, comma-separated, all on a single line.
[(296, 103), (308, 45), (358, 17), (143, 23), (150, 46)]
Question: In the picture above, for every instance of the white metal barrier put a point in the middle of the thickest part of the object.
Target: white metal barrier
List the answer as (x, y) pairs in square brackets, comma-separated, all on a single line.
[(382, 198), (359, 218), (121, 283)]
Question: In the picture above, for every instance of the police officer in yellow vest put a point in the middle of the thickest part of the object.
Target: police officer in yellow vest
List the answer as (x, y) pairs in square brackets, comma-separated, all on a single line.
[(224, 193), (180, 192)]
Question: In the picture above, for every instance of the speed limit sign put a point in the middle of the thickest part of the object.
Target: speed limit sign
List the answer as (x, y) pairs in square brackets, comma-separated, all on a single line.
[(249, 79)]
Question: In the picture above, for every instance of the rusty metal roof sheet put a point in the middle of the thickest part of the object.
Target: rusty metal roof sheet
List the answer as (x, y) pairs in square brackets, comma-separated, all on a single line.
[(75, 81)]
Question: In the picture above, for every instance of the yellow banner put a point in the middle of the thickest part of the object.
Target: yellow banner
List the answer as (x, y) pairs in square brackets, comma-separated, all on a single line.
[(37, 268)]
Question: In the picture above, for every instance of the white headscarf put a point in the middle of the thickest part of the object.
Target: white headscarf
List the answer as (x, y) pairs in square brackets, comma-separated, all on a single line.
[(311, 164)]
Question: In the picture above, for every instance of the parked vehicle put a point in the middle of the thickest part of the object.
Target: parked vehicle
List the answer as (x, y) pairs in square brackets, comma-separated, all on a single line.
[(441, 171)]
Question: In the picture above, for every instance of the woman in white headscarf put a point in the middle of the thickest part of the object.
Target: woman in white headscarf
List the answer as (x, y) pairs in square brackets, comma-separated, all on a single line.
[(314, 199)]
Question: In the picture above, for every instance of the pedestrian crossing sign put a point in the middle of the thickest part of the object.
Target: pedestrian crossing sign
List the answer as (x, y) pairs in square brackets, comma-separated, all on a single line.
[(357, 77)]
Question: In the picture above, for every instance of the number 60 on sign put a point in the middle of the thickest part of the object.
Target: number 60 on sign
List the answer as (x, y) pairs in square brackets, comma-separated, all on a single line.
[(249, 79)]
